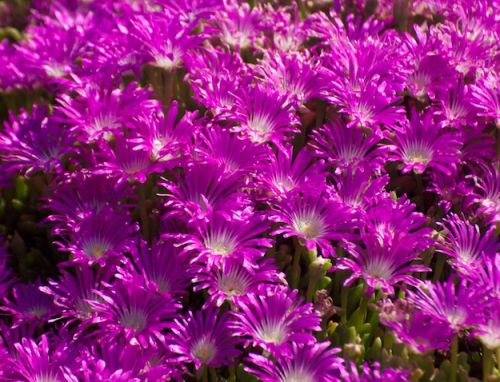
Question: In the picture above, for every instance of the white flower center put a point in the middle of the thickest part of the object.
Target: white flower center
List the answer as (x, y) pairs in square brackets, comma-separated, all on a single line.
[(260, 128), (272, 331), (221, 243), (308, 223), (298, 375), (204, 349), (233, 283), (134, 318), (379, 268)]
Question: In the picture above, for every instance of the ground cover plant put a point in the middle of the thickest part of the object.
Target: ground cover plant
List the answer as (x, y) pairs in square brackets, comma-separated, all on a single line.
[(277, 191)]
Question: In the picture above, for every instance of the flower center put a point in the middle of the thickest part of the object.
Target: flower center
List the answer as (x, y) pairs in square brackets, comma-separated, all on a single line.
[(220, 244), (298, 375), (96, 249), (260, 128), (233, 284), (309, 224), (46, 378), (204, 350), (379, 268), (418, 152), (134, 318), (273, 332)]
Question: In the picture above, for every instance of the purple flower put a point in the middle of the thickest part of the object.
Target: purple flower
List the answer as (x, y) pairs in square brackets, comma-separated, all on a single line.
[(314, 220), (286, 174), (455, 107), (465, 244), (99, 111), (34, 141), (204, 190), (39, 361), (97, 239), (204, 339), (163, 267), (486, 193), (295, 76), (421, 332), (29, 304), (161, 40), (231, 280), (232, 154), (486, 97), (274, 319), (458, 305), (136, 313), (422, 145), (373, 373), (379, 266), (82, 195), (264, 116), (306, 363), (221, 239), (488, 329), (345, 147)]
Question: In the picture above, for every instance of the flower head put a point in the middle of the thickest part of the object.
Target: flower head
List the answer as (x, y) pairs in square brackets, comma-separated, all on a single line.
[(306, 363), (204, 338), (274, 319)]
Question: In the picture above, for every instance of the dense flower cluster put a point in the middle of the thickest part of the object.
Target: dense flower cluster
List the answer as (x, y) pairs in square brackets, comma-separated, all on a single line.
[(221, 190)]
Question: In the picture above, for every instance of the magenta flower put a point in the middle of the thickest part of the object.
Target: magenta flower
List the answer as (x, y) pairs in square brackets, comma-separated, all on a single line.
[(82, 195), (306, 363), (274, 319), (373, 373), (29, 304), (264, 116), (421, 332), (465, 244), (488, 329), (314, 220), (204, 190), (34, 141), (486, 97), (204, 339), (381, 267), (287, 174), (345, 147), (231, 280), (422, 145), (129, 310), (232, 154), (39, 361), (221, 239), (100, 111), (458, 305), (97, 239), (486, 193), (163, 267)]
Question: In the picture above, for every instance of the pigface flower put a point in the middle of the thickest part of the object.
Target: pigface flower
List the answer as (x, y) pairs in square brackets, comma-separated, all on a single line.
[(204, 190), (231, 280), (379, 266), (346, 148), (159, 133), (465, 244), (189, 11), (264, 116), (41, 361), (127, 309), (82, 195), (274, 319), (29, 303), (97, 239), (34, 141), (161, 40), (455, 107), (422, 145), (232, 154), (99, 110), (373, 373), (204, 338), (488, 329), (486, 97), (306, 363), (128, 162), (421, 332), (294, 76), (486, 193), (72, 292), (163, 267), (315, 220), (287, 174), (458, 305), (221, 239)]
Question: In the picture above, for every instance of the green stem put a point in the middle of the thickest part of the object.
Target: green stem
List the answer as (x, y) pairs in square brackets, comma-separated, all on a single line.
[(454, 359), (143, 212), (302, 9), (487, 362), (232, 374), (438, 270), (344, 294), (295, 274), (212, 373)]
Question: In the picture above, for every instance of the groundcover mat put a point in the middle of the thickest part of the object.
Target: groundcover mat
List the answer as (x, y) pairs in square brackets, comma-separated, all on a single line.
[(223, 190)]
